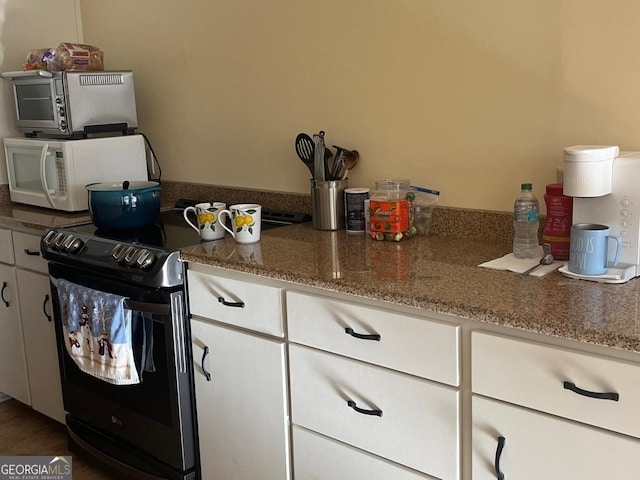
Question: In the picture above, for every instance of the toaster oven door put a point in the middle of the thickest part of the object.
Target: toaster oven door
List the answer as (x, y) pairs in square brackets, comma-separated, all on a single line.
[(36, 107)]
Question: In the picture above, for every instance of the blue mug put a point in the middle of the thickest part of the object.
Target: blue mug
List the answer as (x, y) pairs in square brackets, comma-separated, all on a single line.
[(589, 249)]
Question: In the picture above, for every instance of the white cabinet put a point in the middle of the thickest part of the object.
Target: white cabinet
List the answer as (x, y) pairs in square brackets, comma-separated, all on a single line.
[(40, 344), (538, 446), (13, 367), (321, 458), (241, 390), (248, 305), (538, 395), (364, 377), (37, 325), (6, 247), (405, 419), (415, 345), (591, 389)]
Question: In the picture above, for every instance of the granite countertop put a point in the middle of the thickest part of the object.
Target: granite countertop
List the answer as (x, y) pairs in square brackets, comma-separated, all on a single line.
[(439, 274), (17, 216)]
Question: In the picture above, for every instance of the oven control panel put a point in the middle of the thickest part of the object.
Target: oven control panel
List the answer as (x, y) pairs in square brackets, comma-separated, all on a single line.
[(138, 263)]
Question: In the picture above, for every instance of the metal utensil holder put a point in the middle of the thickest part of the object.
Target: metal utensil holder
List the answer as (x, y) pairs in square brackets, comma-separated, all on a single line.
[(327, 204)]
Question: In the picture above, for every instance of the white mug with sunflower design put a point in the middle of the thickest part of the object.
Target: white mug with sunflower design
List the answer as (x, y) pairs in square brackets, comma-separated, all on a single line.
[(245, 222), (208, 218)]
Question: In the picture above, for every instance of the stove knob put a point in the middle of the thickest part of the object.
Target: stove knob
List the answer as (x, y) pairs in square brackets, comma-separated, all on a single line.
[(145, 259), (117, 251), (73, 246), (48, 238), (131, 256), (122, 253), (60, 240), (54, 238)]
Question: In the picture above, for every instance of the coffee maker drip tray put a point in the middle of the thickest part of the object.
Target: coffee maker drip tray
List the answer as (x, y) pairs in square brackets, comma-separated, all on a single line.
[(620, 274)]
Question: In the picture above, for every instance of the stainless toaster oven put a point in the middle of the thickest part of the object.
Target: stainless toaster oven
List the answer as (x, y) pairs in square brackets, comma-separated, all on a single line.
[(73, 103)]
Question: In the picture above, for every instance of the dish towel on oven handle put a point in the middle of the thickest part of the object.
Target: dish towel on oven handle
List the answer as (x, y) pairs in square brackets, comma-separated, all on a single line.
[(97, 327)]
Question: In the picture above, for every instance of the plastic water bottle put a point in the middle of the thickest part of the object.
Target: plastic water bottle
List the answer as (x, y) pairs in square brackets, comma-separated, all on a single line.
[(525, 223)]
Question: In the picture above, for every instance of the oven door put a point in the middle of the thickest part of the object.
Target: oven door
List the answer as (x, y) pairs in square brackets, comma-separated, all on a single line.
[(149, 425)]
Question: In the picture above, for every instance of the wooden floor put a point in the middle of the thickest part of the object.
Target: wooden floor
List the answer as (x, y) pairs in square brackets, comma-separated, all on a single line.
[(23, 431)]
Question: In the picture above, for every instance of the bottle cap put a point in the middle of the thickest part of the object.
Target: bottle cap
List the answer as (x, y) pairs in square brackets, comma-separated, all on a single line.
[(526, 186)]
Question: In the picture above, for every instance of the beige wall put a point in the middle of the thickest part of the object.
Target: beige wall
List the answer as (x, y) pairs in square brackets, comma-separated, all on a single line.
[(470, 98), (25, 25)]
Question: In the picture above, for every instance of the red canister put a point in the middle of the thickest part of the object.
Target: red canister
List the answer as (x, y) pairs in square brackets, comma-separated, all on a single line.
[(557, 227)]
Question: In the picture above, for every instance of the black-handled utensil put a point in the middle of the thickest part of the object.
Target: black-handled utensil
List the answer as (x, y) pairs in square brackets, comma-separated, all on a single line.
[(305, 150), (319, 162)]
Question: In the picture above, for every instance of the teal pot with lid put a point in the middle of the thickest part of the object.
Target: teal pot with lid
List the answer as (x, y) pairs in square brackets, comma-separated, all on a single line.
[(125, 205)]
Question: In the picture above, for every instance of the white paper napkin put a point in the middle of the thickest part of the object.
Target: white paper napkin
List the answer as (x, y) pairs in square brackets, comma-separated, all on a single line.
[(519, 265)]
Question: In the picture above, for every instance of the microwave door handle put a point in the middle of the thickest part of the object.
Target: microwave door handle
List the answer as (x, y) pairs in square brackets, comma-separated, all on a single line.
[(43, 177)]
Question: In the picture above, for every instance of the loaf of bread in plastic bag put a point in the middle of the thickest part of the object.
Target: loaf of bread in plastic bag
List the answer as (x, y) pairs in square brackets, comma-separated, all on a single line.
[(76, 56), (66, 56), (38, 59)]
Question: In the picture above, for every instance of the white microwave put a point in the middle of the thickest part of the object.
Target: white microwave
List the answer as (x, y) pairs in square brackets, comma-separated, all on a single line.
[(54, 173)]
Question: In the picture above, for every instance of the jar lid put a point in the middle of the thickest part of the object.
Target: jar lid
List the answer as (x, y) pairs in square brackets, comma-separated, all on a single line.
[(390, 184), (555, 189)]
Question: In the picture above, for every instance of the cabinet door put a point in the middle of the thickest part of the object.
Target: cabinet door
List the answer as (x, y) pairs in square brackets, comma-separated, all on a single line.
[(40, 344), (320, 458), (393, 415), (242, 407), (13, 368), (538, 446)]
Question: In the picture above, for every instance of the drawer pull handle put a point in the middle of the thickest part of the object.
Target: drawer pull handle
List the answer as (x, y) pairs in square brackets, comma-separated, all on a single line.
[(4, 287), (352, 404), (44, 307), (361, 336), (602, 396), (34, 253), (205, 354), (230, 304), (496, 465)]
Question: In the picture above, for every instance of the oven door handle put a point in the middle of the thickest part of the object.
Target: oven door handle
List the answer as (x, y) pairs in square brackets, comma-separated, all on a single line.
[(145, 307)]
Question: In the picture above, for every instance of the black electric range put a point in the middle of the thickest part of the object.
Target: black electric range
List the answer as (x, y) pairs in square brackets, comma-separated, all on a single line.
[(147, 256)]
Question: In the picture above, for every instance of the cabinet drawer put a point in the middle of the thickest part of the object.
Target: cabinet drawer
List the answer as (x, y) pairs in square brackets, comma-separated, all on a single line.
[(27, 252), (538, 446), (534, 375), (426, 348), (320, 458), (247, 305), (419, 422), (6, 246)]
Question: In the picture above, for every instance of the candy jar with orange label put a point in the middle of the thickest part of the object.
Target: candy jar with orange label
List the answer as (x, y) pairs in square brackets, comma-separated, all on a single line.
[(390, 213)]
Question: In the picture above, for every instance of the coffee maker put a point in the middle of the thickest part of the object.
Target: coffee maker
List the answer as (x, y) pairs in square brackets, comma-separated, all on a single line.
[(605, 184)]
